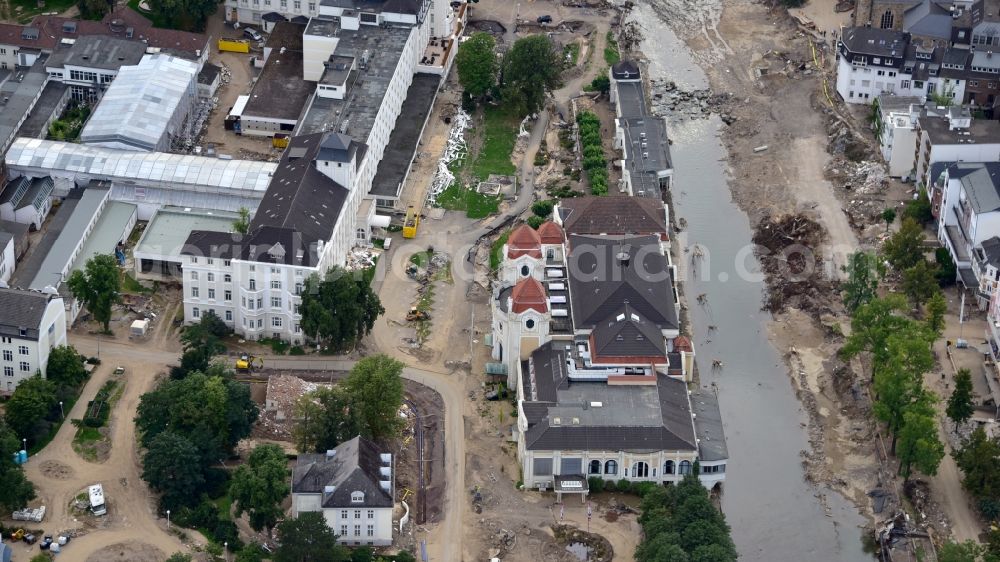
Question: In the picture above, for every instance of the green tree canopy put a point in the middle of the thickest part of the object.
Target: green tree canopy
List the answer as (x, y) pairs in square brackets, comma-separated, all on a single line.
[(186, 15), (904, 249), (325, 419), (97, 286), (202, 342), (33, 401), (979, 459), (937, 306), (863, 272), (919, 445), (898, 383), (259, 486), (920, 282), (179, 557), (531, 70), (307, 538), (375, 387), (872, 324), (888, 216), (681, 523), (65, 366), (960, 407), (340, 309), (242, 222), (172, 466), (476, 63), (17, 490)]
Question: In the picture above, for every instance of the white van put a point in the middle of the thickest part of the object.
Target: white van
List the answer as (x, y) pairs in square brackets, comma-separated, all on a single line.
[(97, 506)]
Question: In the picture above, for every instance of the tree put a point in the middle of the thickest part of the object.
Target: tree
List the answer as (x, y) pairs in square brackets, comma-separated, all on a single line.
[(202, 342), (919, 209), (968, 551), (97, 286), (888, 216), (17, 490), (920, 282), (919, 445), (32, 402), (979, 459), (937, 306), (863, 272), (307, 538), (375, 388), (325, 419), (960, 402), (259, 486), (476, 63), (173, 467), (531, 69), (93, 9), (242, 222), (905, 247), (340, 309), (898, 383), (947, 272), (601, 84), (186, 15), (871, 325), (65, 366)]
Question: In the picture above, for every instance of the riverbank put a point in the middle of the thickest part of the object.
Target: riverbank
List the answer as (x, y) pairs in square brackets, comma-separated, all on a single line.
[(763, 65)]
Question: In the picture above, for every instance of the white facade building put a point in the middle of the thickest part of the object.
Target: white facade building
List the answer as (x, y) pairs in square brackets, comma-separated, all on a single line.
[(32, 324), (970, 212), (353, 486)]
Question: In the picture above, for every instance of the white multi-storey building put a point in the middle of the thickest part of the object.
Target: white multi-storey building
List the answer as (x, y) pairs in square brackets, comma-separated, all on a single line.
[(32, 323)]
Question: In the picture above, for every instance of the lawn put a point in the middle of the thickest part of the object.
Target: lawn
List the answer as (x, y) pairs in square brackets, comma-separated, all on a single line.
[(571, 53), (30, 9), (495, 250), (611, 53), (476, 205), (499, 129)]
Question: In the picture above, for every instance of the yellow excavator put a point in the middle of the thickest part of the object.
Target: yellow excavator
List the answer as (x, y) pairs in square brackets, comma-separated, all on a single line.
[(248, 363)]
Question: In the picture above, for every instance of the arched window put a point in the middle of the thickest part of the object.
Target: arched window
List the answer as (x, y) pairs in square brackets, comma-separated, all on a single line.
[(685, 467), (595, 467), (887, 20), (529, 324), (640, 470), (668, 467), (362, 234), (525, 271), (611, 467)]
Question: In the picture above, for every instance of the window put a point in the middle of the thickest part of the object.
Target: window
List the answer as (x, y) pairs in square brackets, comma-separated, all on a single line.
[(275, 302), (357, 514), (23, 350), (298, 288), (194, 259), (250, 306), (260, 303), (371, 530), (371, 514), (594, 468), (973, 82), (685, 468), (284, 4), (228, 295), (194, 275), (209, 261), (357, 528), (529, 324), (8, 355), (25, 366), (3, 51), (229, 316), (298, 6), (668, 467), (904, 84), (887, 20), (82, 76), (253, 284), (640, 470), (343, 530), (211, 277), (298, 328), (194, 292), (260, 323), (525, 271), (276, 322), (357, 497), (343, 514), (227, 278), (195, 313), (211, 294), (275, 271), (253, 267), (275, 284), (8, 371), (5, 339), (227, 263)]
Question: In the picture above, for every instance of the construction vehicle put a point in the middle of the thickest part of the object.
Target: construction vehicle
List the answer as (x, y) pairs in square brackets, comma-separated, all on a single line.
[(234, 45), (17, 535), (280, 140), (415, 315), (410, 222), (248, 363)]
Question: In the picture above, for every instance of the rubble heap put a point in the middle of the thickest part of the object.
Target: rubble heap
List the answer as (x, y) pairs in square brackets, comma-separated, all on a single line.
[(670, 101), (792, 263), (454, 150)]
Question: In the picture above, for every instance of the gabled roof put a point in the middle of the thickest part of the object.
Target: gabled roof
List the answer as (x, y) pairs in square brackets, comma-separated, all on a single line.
[(121, 23), (268, 244), (874, 41), (550, 233), (22, 309), (981, 182), (354, 467), (990, 251), (607, 272), (627, 335), (336, 147), (613, 214), (524, 241), (528, 294)]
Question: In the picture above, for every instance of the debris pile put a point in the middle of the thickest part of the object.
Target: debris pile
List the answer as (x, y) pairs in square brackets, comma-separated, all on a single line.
[(283, 392), (669, 100), (455, 149), (226, 74), (29, 514), (361, 258), (789, 254)]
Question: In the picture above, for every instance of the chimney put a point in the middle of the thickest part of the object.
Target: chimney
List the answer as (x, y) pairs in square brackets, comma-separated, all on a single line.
[(623, 258)]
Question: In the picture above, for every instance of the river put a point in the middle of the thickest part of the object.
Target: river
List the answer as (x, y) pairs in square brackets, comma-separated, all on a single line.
[(774, 513)]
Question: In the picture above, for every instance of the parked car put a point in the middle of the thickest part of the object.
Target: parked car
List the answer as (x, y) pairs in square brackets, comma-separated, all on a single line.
[(30, 539), (46, 542), (545, 19), (252, 33)]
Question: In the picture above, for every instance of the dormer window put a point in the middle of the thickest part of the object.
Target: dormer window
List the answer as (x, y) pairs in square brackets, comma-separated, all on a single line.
[(357, 497)]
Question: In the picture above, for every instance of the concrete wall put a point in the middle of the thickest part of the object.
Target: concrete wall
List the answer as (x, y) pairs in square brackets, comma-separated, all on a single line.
[(7, 261)]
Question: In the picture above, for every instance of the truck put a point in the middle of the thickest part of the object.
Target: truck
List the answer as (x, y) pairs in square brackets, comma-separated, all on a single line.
[(234, 45), (97, 505)]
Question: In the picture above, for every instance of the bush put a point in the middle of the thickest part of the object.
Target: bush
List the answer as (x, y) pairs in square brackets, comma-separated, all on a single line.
[(296, 350), (93, 361), (542, 208), (600, 84), (946, 270), (919, 209), (623, 485), (535, 221), (596, 484)]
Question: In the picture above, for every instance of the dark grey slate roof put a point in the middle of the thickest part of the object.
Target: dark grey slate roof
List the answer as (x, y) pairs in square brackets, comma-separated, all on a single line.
[(600, 282), (273, 17), (613, 214), (268, 244), (627, 334), (981, 181), (625, 70), (208, 73), (873, 41), (708, 426), (99, 51), (989, 251), (354, 467), (336, 147), (927, 19), (22, 309)]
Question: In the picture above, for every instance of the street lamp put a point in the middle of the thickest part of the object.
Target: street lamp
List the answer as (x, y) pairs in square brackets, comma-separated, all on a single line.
[(24, 444), (225, 550), (61, 411), (168, 519)]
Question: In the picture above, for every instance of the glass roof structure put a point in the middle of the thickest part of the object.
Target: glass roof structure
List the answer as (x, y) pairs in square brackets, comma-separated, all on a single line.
[(151, 169)]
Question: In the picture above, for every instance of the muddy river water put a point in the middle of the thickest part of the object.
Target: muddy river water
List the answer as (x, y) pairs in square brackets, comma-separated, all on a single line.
[(775, 515)]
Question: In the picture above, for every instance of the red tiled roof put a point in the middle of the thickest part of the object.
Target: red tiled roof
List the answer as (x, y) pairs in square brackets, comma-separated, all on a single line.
[(524, 241), (10, 34), (550, 233), (115, 25), (529, 294), (682, 343)]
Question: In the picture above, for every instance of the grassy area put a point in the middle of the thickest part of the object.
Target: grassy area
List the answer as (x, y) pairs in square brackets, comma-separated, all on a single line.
[(132, 286), (496, 248), (24, 10), (69, 124), (499, 127), (225, 505), (571, 53), (476, 205), (611, 53)]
